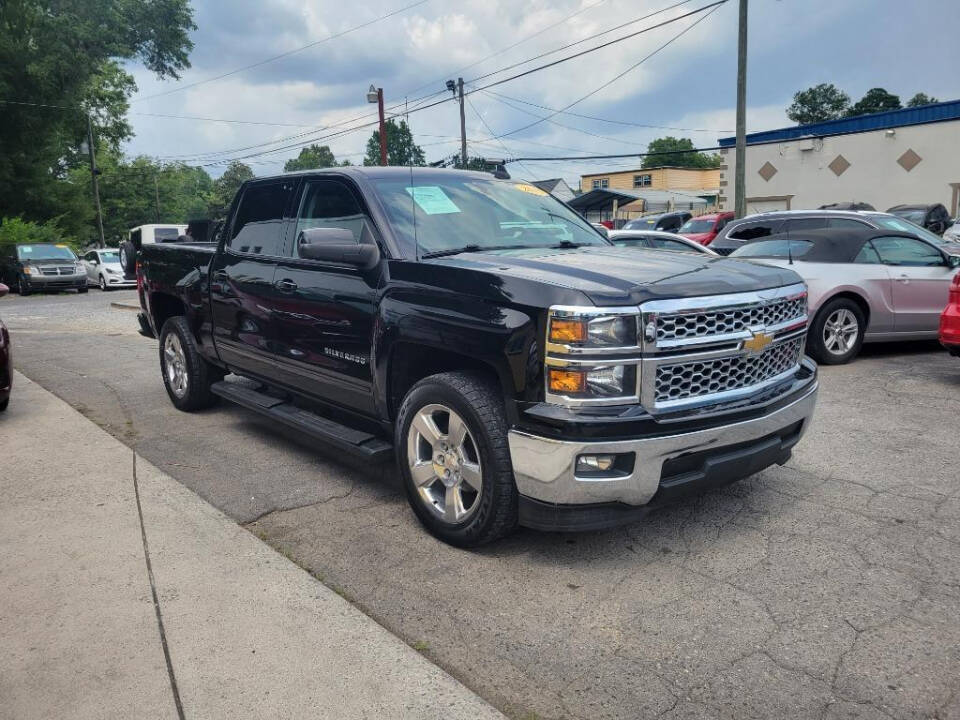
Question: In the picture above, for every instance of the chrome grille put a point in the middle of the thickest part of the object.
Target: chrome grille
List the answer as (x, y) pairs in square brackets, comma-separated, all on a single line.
[(56, 270), (723, 321), (693, 379)]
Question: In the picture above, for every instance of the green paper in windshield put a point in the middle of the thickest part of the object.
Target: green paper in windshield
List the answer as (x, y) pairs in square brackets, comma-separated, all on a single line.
[(432, 200)]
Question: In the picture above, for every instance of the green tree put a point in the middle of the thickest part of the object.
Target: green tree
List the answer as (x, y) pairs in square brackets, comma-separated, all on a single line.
[(875, 100), (473, 163), (63, 57), (16, 230), (682, 154), (314, 156), (401, 149), (921, 99), (818, 104), (226, 186)]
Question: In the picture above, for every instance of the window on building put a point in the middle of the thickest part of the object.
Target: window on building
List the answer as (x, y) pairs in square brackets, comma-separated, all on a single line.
[(601, 183), (640, 181)]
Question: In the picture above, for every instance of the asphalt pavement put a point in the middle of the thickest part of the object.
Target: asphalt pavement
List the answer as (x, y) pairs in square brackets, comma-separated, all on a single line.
[(827, 588)]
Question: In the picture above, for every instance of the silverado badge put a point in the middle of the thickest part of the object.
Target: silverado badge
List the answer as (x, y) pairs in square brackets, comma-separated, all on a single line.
[(758, 342)]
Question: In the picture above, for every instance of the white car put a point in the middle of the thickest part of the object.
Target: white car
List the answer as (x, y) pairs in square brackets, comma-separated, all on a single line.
[(657, 240), (953, 232), (103, 269)]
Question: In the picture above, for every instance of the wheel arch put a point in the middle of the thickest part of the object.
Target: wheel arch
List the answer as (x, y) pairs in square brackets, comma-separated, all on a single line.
[(164, 306), (852, 295)]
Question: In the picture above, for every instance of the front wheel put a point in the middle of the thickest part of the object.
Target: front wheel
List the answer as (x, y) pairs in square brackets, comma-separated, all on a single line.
[(451, 441), (103, 283), (186, 375), (837, 332), (82, 289), (22, 287)]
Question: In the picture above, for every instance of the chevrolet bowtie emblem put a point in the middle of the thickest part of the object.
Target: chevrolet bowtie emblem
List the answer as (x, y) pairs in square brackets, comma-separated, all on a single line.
[(758, 342)]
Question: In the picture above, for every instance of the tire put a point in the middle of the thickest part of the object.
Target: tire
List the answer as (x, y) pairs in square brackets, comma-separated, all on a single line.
[(837, 332), (128, 256), (82, 289), (482, 456), (186, 375), (103, 284), (4, 404), (22, 287)]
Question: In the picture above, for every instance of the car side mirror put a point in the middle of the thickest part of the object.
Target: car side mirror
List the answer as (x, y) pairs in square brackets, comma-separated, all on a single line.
[(953, 261), (3, 289), (336, 245)]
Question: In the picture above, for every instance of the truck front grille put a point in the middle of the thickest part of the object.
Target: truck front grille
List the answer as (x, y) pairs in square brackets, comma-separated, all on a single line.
[(694, 379), (684, 326)]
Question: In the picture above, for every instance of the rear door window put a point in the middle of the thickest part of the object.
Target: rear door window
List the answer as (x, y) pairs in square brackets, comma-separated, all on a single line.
[(755, 229), (258, 224), (800, 224), (846, 224)]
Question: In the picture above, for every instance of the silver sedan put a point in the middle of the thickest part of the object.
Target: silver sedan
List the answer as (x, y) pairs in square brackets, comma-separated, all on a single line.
[(864, 285), (657, 240)]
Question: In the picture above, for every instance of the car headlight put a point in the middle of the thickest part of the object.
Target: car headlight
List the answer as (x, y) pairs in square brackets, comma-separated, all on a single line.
[(110, 271), (27, 270), (599, 382), (568, 327)]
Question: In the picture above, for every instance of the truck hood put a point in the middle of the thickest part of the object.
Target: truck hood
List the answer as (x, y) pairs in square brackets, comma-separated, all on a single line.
[(626, 276)]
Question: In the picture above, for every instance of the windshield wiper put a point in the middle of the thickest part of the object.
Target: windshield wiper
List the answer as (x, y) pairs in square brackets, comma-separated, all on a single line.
[(471, 249), (566, 244)]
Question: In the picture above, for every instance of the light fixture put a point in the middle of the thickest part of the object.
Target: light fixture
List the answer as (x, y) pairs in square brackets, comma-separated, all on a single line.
[(372, 95)]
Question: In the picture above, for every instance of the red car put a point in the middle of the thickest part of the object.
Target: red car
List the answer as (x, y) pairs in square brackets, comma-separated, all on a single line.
[(6, 364), (950, 319), (705, 228)]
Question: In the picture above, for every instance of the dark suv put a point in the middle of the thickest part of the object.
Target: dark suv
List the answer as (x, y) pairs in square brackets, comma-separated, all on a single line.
[(737, 232), (934, 218), (667, 222)]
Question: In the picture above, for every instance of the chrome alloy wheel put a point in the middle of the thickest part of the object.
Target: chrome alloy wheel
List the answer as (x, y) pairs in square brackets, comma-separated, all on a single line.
[(175, 363), (444, 463), (840, 331)]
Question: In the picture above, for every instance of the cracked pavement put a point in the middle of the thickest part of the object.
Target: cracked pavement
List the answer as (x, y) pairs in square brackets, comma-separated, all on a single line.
[(827, 589)]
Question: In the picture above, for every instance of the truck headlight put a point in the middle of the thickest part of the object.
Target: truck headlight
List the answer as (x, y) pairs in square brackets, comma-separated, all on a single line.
[(27, 270), (567, 327), (598, 382)]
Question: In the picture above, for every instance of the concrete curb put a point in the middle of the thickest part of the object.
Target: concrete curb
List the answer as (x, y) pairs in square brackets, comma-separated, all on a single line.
[(125, 306)]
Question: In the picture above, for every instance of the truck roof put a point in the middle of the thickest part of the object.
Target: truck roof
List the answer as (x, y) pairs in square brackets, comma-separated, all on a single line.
[(382, 172)]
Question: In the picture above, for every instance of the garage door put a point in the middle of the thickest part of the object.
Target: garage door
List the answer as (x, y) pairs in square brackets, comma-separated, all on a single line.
[(765, 205)]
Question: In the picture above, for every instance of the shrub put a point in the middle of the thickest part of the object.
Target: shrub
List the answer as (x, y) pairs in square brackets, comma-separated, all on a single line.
[(16, 230)]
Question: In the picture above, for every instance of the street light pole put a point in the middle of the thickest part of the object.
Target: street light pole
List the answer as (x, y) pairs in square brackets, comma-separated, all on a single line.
[(96, 185), (375, 95), (463, 125), (739, 181)]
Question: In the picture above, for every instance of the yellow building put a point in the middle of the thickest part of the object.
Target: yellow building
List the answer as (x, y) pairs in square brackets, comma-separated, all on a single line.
[(657, 178)]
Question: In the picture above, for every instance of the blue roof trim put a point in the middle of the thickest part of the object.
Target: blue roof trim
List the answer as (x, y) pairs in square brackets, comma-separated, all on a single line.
[(938, 112)]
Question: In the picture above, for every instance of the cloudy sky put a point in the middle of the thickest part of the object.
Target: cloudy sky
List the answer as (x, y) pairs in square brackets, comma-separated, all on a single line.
[(686, 89)]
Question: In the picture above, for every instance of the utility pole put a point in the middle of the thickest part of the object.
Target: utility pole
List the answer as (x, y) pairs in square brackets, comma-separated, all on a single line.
[(156, 191), (463, 125), (739, 180), (375, 95), (93, 174)]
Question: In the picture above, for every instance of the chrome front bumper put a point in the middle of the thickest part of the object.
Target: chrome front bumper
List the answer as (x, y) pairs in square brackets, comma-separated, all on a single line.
[(544, 468)]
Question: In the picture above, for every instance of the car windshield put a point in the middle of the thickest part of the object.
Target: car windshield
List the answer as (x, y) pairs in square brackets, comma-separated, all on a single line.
[(914, 216), (444, 214), (779, 248), (111, 256), (162, 234), (696, 226), (889, 222), (45, 252), (642, 223)]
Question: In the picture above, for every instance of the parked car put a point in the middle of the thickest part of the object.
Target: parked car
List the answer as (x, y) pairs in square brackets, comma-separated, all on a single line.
[(657, 241), (847, 206), (950, 319), (147, 235), (952, 233), (934, 218), (601, 228), (704, 229), (737, 232), (103, 270), (520, 368), (864, 285), (668, 222), (41, 266), (6, 360)]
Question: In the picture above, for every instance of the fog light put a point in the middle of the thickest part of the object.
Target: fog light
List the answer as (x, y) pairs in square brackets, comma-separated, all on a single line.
[(567, 381), (595, 463)]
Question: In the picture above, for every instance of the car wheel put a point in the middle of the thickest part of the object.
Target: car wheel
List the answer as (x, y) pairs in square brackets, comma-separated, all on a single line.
[(103, 283), (82, 289), (186, 375), (22, 286), (4, 404), (451, 440), (837, 332), (128, 256)]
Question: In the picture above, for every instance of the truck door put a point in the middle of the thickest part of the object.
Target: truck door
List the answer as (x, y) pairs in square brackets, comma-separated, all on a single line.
[(241, 277), (324, 313)]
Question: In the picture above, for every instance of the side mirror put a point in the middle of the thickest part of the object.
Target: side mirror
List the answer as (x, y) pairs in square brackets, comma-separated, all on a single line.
[(338, 246), (953, 261), (3, 289)]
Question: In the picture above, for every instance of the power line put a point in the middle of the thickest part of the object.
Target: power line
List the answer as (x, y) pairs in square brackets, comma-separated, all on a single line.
[(493, 134), (284, 54), (621, 155)]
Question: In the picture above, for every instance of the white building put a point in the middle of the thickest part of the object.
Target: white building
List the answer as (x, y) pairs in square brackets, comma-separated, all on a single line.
[(885, 159)]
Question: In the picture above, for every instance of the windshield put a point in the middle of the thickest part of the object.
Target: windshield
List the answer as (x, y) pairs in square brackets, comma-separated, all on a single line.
[(642, 223), (449, 213), (110, 256), (914, 216), (780, 248), (889, 222), (696, 226), (45, 252)]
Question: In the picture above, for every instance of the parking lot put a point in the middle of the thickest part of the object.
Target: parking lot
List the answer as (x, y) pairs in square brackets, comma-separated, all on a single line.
[(827, 588)]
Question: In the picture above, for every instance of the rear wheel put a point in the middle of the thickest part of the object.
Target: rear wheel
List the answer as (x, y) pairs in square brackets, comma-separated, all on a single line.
[(186, 375), (22, 286), (837, 332), (451, 441)]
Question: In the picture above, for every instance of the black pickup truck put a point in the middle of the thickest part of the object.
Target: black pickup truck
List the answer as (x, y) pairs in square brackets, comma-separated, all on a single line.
[(521, 369)]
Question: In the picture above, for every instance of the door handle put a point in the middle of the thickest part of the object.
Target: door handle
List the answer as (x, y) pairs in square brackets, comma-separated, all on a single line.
[(285, 285), (903, 279)]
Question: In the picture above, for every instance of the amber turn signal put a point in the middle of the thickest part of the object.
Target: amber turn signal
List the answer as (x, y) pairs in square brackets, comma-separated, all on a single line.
[(567, 381), (567, 330)]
